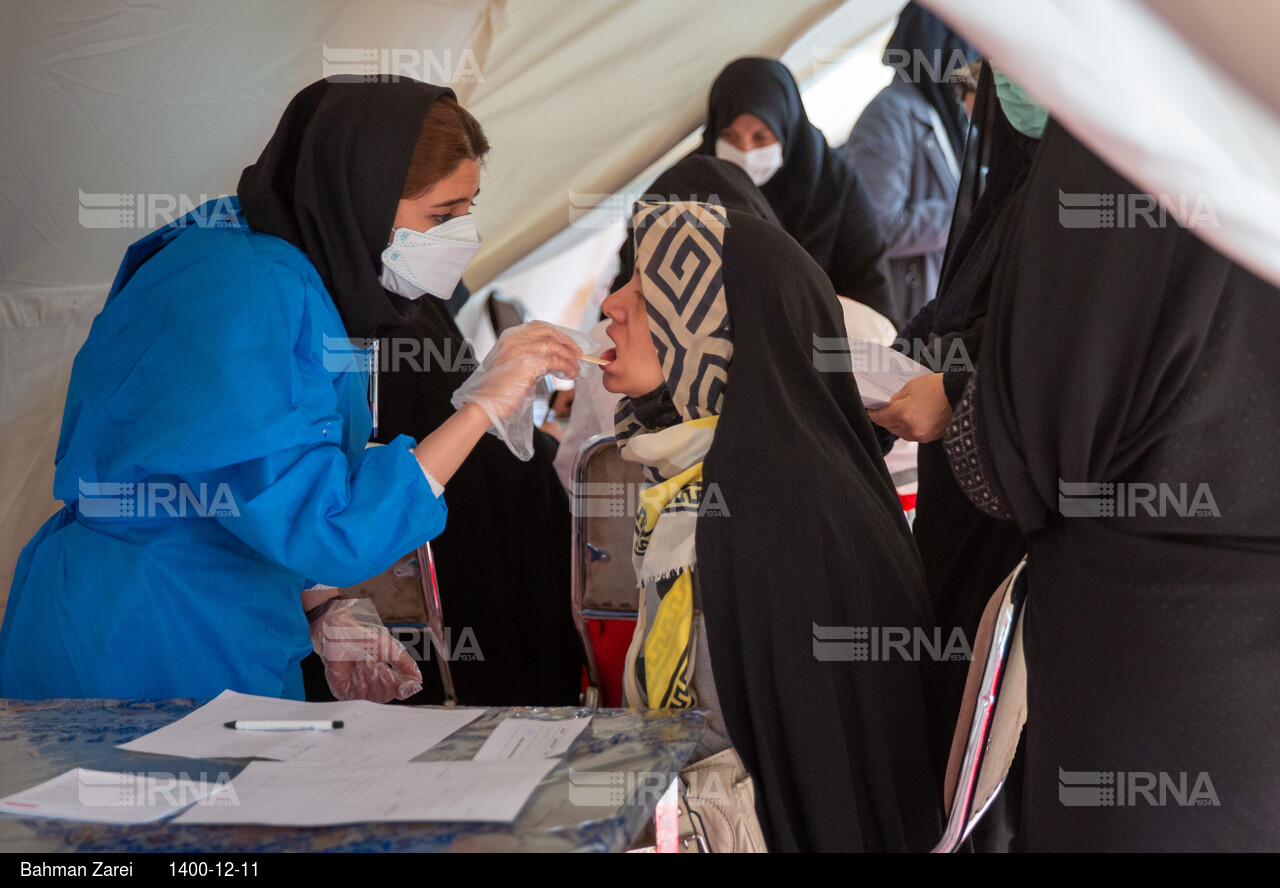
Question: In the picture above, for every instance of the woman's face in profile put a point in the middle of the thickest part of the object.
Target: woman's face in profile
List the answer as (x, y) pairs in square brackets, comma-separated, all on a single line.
[(451, 196), (633, 368), (748, 132)]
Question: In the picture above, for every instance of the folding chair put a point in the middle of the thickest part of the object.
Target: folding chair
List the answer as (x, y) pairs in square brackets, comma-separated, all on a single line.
[(992, 715), (407, 596), (505, 312), (603, 582), (435, 620)]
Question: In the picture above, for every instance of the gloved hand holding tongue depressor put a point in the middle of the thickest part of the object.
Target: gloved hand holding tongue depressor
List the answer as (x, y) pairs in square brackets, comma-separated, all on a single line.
[(503, 386)]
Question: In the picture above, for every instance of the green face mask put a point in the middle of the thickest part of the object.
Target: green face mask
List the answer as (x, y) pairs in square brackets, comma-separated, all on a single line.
[(1022, 111)]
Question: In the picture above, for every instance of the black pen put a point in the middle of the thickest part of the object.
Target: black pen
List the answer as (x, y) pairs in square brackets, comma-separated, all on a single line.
[(284, 725)]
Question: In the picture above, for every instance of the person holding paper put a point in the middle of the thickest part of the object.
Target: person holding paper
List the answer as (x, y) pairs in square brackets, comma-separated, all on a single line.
[(966, 553), (768, 525), (213, 456), (1130, 432)]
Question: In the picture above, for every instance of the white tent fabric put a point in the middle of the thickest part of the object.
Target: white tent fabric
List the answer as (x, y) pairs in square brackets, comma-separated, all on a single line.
[(118, 116), (1239, 36), (578, 106), (1147, 96)]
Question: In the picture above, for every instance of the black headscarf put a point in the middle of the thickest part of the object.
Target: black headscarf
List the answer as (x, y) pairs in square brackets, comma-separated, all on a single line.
[(921, 32), (700, 179), (812, 535), (988, 135), (988, 204), (329, 181), (700, 176), (502, 560), (816, 194)]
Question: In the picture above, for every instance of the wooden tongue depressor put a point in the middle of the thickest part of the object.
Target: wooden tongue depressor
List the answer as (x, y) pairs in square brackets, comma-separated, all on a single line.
[(592, 359)]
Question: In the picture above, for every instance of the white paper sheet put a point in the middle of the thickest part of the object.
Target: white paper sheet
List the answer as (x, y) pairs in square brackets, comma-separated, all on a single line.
[(373, 733), (290, 794), (881, 371), (526, 738), (110, 797)]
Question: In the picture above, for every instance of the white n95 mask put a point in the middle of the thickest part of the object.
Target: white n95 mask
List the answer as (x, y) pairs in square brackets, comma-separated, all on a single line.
[(759, 163), (431, 261)]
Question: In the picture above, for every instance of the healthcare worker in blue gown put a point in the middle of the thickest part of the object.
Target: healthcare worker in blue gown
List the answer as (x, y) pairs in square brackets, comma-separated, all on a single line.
[(213, 460)]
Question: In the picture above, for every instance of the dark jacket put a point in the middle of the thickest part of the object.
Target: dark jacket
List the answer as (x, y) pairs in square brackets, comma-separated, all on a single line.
[(905, 174)]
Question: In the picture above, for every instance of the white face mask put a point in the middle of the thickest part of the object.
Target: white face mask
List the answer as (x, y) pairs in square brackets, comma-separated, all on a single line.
[(431, 261), (760, 163)]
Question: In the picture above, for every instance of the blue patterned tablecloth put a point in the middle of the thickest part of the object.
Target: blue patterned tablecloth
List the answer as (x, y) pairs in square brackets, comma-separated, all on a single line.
[(596, 799)]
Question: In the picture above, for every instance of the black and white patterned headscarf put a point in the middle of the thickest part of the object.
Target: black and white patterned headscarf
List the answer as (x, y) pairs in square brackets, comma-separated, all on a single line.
[(679, 254)]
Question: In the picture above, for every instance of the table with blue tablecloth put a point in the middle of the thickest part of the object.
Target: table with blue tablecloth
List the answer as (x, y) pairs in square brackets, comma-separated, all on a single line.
[(598, 797)]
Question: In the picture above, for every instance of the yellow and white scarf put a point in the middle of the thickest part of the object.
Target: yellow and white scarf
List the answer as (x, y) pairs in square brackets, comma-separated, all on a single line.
[(659, 666)]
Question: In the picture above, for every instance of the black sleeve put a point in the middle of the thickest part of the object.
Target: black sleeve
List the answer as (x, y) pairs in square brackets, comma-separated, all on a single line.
[(970, 464), (884, 439), (958, 350), (953, 383), (915, 334), (860, 269)]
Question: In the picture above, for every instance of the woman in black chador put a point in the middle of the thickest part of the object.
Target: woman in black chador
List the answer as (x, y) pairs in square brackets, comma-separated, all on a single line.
[(1125, 414)]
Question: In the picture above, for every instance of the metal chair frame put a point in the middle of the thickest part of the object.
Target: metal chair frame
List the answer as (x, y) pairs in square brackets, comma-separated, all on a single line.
[(583, 554), (961, 821), (435, 620)]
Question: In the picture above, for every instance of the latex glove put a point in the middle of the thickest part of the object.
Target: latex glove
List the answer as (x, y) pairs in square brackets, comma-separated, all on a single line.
[(362, 661), (919, 411), (503, 385)]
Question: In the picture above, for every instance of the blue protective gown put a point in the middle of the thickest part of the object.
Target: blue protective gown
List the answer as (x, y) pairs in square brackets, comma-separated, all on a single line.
[(217, 381)]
